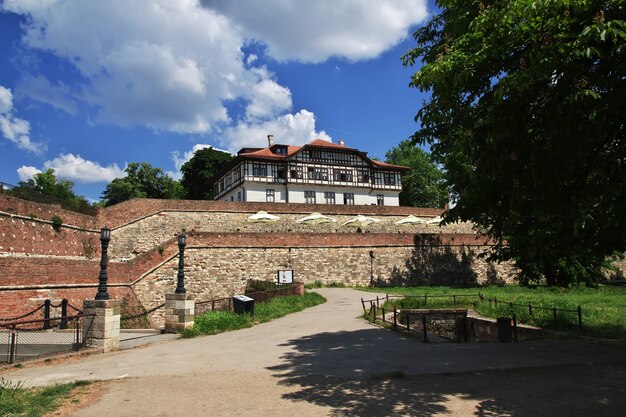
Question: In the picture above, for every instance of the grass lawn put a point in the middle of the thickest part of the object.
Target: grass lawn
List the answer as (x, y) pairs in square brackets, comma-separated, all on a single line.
[(223, 321), (603, 308), (34, 402)]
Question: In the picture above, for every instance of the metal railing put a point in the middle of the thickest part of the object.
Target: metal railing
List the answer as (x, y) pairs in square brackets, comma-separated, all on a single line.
[(31, 339), (225, 303), (532, 307)]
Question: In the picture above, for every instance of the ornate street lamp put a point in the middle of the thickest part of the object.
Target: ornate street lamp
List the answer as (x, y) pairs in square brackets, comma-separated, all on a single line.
[(105, 237), (182, 241)]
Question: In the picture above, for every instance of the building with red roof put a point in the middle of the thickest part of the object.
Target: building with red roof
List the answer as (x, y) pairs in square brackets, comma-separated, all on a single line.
[(319, 172)]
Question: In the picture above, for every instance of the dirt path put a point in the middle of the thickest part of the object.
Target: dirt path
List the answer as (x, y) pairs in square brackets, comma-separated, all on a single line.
[(326, 361)]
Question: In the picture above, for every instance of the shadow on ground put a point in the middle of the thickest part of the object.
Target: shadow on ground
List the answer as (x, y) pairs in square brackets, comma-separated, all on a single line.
[(355, 373)]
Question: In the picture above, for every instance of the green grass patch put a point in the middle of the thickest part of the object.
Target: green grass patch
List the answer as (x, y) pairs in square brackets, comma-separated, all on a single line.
[(33, 402), (223, 321), (603, 308)]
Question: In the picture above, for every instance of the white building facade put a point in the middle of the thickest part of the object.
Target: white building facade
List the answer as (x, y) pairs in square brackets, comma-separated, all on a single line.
[(320, 172)]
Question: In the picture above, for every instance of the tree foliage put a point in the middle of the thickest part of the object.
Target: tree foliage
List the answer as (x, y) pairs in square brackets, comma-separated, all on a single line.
[(423, 185), (527, 116), (199, 171), (142, 180), (45, 187)]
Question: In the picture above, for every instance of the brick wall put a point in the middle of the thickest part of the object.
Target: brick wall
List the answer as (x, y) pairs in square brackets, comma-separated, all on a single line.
[(36, 237), (44, 211)]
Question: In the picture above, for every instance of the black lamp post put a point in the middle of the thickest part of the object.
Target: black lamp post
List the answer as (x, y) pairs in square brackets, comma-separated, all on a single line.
[(182, 241), (371, 268), (105, 237)]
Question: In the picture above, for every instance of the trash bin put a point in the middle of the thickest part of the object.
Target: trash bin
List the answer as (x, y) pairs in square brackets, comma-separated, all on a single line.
[(505, 332), (243, 304)]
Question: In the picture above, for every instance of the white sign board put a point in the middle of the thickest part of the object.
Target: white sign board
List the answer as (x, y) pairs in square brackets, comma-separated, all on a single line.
[(285, 276)]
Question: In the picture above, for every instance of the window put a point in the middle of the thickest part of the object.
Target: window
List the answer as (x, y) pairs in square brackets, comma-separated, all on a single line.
[(389, 178), (380, 199), (329, 197), (259, 170), (269, 196), (279, 173), (320, 174), (309, 197), (348, 198), (237, 175), (296, 172), (229, 181), (232, 198), (342, 175), (238, 195), (281, 150), (363, 175)]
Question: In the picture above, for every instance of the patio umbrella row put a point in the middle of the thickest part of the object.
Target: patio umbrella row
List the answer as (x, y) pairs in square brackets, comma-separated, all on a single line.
[(358, 221)]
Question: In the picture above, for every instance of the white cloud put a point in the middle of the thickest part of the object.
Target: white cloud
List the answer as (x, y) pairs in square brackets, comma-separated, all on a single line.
[(26, 172), (75, 168), (268, 98), (251, 58), (13, 128), (313, 31), (40, 89), (289, 129), (167, 65)]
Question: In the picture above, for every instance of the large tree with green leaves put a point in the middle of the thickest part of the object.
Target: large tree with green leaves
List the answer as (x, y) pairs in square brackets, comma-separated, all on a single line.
[(198, 172), (527, 116), (423, 185), (45, 187), (142, 180)]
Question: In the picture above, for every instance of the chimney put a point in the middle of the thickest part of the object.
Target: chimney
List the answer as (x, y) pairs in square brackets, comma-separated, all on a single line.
[(341, 142), (270, 140)]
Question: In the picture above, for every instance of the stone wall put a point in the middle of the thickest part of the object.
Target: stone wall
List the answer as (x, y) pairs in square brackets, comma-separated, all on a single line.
[(128, 211), (215, 269), (142, 235), (13, 205)]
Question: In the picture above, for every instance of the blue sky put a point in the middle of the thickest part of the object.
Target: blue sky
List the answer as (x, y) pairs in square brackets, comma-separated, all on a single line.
[(87, 87)]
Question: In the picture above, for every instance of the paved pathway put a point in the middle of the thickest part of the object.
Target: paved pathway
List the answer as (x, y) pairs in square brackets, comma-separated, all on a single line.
[(325, 360)]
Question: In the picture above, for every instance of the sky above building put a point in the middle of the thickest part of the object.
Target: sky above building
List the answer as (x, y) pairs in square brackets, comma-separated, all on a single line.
[(87, 87)]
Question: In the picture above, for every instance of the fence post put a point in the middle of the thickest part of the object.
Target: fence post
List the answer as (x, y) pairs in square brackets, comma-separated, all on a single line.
[(46, 314), (377, 302), (212, 305), (387, 296), (395, 318), (495, 302), (63, 314), (511, 307), (407, 322), (230, 302), (374, 308), (530, 309), (424, 328), (454, 300), (554, 312), (514, 327), (425, 299), (580, 317), (13, 345), (77, 347), (383, 314)]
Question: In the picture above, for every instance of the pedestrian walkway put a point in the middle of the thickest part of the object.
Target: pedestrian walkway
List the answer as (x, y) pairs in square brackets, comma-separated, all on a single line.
[(321, 361)]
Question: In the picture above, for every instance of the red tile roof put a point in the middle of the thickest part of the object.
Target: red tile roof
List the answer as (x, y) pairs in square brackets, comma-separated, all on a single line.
[(386, 165), (327, 144)]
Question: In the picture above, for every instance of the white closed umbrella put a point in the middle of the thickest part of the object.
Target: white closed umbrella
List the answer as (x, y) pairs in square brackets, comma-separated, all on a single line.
[(316, 218), (262, 217), (434, 220), (411, 219), (360, 221)]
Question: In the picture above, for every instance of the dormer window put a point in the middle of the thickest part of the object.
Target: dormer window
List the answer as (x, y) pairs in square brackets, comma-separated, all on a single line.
[(280, 150)]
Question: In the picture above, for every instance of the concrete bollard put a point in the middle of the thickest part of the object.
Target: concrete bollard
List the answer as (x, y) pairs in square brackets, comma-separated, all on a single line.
[(103, 330), (179, 312)]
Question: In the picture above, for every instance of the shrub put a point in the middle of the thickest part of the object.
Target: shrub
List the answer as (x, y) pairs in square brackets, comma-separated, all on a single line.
[(57, 222)]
